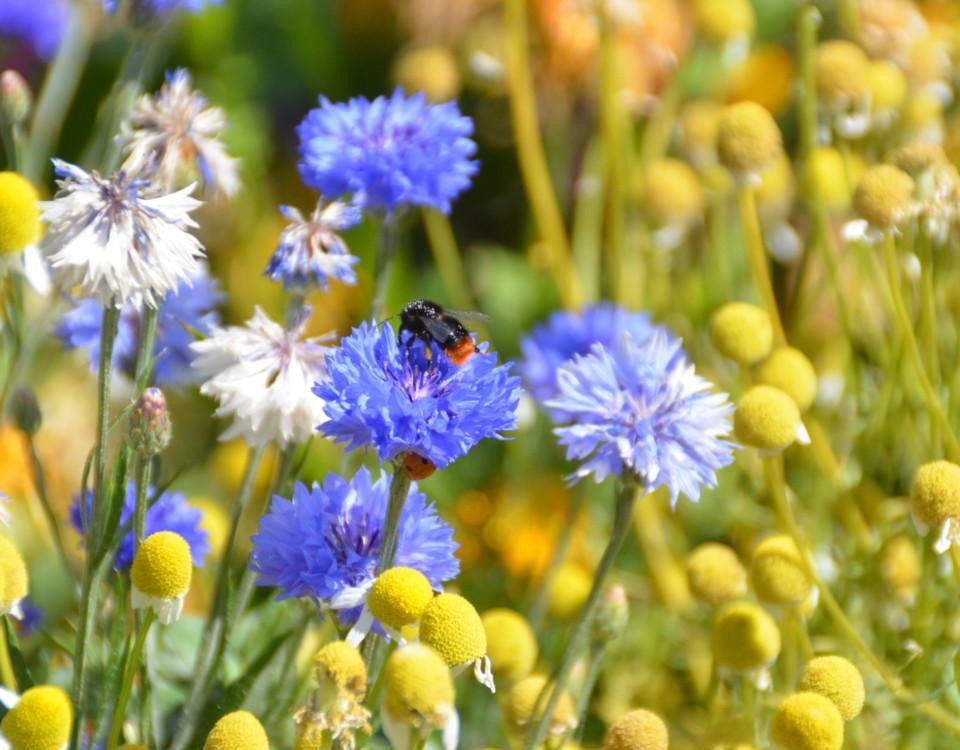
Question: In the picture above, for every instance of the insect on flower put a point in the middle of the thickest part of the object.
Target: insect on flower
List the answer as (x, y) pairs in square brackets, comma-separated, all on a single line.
[(428, 321)]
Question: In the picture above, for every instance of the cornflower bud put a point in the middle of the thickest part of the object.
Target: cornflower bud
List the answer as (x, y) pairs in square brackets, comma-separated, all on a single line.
[(837, 679), (807, 721), (19, 213), (715, 574), (768, 419), (611, 616), (16, 99), (742, 332), (26, 411), (511, 644), (160, 574), (637, 730), (150, 427), (239, 730), (40, 720)]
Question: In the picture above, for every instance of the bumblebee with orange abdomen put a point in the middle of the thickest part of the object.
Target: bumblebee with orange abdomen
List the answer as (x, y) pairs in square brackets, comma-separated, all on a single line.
[(428, 321)]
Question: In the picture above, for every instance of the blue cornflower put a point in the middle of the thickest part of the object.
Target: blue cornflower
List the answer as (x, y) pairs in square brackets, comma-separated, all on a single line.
[(411, 398), (190, 308), (638, 408), (311, 252), (326, 539), (389, 152), (161, 7), (565, 334), (40, 23), (171, 512)]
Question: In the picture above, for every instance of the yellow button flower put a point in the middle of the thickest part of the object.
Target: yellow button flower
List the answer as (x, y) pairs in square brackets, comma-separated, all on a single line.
[(398, 596), (888, 90), (900, 566), (837, 679), (768, 419), (19, 213), (789, 370), (742, 332), (637, 730), (418, 695), (518, 707), (511, 644), (432, 70), (777, 575), (240, 730), (744, 638), (160, 574), (14, 580), (807, 721), (825, 176), (715, 574), (568, 590), (748, 139), (452, 627), (672, 195), (40, 720), (843, 73), (723, 21), (341, 665), (935, 501), (884, 197)]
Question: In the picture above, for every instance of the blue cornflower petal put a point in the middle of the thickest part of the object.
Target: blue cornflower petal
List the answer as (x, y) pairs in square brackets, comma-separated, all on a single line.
[(637, 408), (326, 538), (409, 397), (388, 152), (171, 512), (40, 23)]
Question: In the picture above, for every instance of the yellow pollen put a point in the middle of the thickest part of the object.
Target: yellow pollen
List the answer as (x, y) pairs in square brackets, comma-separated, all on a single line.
[(240, 730), (452, 627), (40, 721), (398, 596), (162, 567)]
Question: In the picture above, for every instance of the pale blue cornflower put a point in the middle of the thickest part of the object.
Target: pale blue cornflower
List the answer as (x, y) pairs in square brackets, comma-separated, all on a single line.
[(311, 252), (638, 410), (390, 152)]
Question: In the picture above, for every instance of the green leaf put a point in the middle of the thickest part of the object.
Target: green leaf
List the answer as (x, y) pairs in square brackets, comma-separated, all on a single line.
[(20, 670)]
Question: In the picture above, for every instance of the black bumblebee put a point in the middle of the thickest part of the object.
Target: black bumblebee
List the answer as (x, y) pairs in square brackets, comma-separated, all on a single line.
[(428, 321)]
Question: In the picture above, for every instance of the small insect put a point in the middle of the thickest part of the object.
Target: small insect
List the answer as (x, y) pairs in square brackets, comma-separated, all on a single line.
[(428, 321)]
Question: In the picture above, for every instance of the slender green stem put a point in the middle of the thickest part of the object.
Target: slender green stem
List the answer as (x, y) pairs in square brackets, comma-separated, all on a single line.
[(399, 489), (807, 46), (386, 249), (213, 632), (594, 666), (539, 607), (531, 155), (937, 412), (537, 730), (89, 599), (108, 335), (143, 471), (757, 256), (16, 319), (145, 359), (130, 671), (40, 482)]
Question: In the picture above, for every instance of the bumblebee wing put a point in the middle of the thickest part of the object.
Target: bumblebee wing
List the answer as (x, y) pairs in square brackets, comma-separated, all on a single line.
[(468, 315), (439, 329)]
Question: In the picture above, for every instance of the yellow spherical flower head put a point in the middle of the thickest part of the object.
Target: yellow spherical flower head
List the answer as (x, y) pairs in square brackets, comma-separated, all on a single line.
[(724, 21), (240, 730), (789, 370), (19, 213), (825, 176), (40, 720), (715, 574), (339, 664), (519, 705), (777, 575), (935, 501), (14, 580), (837, 679), (432, 70), (511, 644), (748, 139), (742, 332), (161, 574), (807, 721), (843, 86), (418, 695), (398, 596), (745, 639), (637, 730), (452, 627), (568, 591), (768, 419), (923, 115), (888, 90), (900, 567), (884, 197), (673, 198)]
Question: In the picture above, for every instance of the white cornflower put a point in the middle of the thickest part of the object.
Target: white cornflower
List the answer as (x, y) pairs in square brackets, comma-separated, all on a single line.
[(178, 128), (262, 375), (118, 239)]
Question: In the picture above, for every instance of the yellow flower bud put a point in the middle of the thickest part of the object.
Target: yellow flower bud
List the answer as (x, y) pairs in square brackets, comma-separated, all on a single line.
[(568, 591), (935, 493), (19, 213), (340, 663), (888, 86), (837, 679), (807, 721), (522, 698), (432, 70), (744, 638), (240, 730), (843, 73), (638, 730), (777, 574), (511, 644), (418, 689), (160, 574), (900, 566), (742, 332), (40, 720), (398, 596), (789, 370), (825, 176), (14, 580), (673, 194), (715, 573), (748, 139), (884, 196), (768, 419), (722, 21)]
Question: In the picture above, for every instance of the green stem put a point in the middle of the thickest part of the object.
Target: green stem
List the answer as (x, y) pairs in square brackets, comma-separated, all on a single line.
[(807, 46), (143, 471), (595, 664), (626, 496), (108, 335), (213, 632), (399, 489), (130, 671), (88, 615), (145, 358), (386, 249), (757, 256)]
